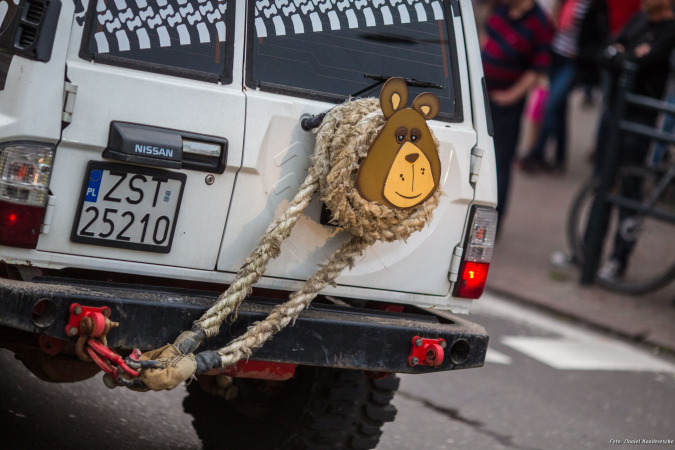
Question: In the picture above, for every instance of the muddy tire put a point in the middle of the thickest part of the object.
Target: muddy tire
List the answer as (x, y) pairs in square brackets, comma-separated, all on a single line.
[(317, 409)]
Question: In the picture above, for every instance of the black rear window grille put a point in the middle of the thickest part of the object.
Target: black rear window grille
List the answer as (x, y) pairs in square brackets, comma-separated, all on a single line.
[(26, 36), (187, 38), (322, 51), (34, 12)]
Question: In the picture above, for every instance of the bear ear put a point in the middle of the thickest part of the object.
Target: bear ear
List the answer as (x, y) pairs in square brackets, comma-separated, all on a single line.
[(393, 96), (427, 104)]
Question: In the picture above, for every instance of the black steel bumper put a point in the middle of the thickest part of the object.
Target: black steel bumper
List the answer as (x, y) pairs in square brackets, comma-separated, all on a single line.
[(323, 335)]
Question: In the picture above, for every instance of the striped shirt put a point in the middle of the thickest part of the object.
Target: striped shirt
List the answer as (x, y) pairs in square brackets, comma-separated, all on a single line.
[(566, 40), (514, 47)]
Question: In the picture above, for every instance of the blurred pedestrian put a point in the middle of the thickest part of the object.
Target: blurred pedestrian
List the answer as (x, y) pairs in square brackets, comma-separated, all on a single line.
[(647, 40), (565, 48), (515, 53), (593, 35)]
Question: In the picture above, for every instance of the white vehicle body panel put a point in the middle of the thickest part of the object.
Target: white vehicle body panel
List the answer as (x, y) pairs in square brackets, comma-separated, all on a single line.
[(32, 100), (107, 93), (17, 256), (276, 163), (268, 156), (486, 186), (276, 159)]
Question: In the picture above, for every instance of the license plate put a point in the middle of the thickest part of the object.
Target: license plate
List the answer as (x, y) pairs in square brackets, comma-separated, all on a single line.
[(128, 207)]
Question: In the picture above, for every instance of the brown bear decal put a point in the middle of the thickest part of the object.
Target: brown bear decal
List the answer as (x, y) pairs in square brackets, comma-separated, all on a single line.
[(402, 168)]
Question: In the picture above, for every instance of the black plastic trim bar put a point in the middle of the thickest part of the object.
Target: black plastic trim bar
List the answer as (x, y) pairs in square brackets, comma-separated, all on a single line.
[(324, 335), (488, 110), (456, 11)]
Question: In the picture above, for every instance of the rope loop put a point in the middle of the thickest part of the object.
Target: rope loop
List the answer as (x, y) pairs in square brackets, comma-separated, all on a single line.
[(342, 142)]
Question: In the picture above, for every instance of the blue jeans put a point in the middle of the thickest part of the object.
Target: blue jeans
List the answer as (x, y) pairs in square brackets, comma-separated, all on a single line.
[(563, 71)]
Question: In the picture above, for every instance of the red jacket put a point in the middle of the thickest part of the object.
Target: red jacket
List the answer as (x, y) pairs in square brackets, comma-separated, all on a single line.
[(619, 13)]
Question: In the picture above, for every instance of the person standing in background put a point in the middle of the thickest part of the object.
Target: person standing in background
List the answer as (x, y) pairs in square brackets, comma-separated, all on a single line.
[(647, 40), (515, 53), (593, 35), (562, 76)]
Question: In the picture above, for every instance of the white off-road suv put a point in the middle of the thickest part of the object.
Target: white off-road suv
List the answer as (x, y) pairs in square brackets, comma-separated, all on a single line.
[(146, 145)]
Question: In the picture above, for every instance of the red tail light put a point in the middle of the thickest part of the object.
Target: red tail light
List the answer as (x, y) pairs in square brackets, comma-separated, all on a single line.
[(472, 279), (20, 224), (477, 253)]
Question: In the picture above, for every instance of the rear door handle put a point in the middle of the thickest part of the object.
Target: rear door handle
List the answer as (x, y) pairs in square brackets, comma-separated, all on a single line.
[(163, 147)]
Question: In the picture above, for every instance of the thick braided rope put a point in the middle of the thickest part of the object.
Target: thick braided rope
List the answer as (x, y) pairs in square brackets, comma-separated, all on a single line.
[(343, 140), (282, 315), (269, 246), (254, 266)]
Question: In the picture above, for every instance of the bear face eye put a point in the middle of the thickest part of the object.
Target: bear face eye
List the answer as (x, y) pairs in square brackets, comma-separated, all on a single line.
[(401, 134), (415, 135)]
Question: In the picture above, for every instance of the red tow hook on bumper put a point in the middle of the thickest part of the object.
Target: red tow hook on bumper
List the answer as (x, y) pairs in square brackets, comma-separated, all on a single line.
[(92, 326), (427, 352)]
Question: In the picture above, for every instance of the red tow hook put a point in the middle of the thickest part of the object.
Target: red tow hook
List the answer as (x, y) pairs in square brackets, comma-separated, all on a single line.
[(427, 352), (92, 326)]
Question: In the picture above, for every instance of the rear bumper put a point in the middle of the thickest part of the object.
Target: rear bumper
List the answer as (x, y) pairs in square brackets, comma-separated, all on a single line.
[(323, 335)]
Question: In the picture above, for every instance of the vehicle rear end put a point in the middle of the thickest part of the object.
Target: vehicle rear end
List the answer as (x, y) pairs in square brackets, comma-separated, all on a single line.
[(143, 158)]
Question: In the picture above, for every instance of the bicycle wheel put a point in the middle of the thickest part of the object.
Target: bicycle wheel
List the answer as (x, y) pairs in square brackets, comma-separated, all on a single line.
[(651, 262), (577, 219)]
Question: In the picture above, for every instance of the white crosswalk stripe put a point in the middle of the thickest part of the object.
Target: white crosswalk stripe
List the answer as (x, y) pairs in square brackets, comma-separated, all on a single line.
[(571, 347), (493, 356), (573, 354)]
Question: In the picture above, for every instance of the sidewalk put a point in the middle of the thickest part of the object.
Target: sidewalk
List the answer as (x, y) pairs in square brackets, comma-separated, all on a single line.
[(535, 227)]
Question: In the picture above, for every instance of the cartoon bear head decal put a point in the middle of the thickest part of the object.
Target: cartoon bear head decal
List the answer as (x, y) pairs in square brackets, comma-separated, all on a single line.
[(402, 168)]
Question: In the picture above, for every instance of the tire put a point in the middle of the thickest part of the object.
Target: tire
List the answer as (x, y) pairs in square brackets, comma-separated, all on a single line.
[(577, 220), (318, 409)]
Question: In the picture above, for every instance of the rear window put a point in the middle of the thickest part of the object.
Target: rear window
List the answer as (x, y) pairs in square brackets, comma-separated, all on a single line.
[(186, 38), (322, 49)]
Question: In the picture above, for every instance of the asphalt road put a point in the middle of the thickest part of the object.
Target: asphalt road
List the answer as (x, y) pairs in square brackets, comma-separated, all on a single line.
[(547, 384)]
